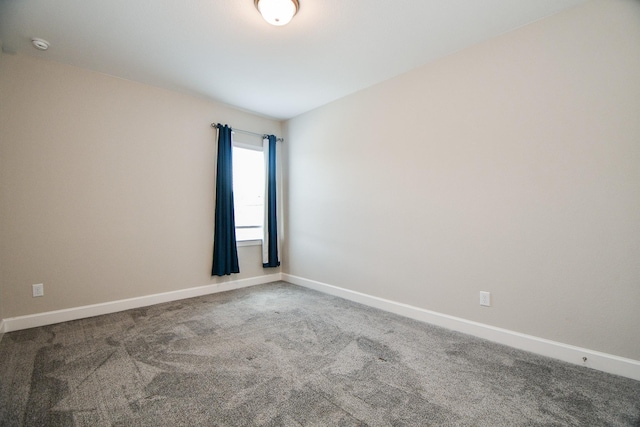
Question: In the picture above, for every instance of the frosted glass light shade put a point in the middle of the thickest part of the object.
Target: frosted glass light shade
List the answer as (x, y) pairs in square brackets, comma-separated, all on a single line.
[(277, 12)]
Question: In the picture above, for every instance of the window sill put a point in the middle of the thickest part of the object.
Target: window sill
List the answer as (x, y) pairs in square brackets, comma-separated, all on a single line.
[(253, 242)]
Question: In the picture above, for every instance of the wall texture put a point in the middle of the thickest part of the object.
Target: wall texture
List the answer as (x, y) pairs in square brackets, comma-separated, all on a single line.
[(107, 187), (511, 167)]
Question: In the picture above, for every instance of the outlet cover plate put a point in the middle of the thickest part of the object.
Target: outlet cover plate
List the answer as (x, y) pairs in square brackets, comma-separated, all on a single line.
[(38, 290), (485, 299)]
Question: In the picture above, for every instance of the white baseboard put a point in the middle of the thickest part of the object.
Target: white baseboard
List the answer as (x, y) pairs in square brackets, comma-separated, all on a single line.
[(568, 353), (597, 360), (48, 318)]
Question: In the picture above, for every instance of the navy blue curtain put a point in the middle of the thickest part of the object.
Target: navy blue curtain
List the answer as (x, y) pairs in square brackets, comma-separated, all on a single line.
[(225, 251), (272, 220)]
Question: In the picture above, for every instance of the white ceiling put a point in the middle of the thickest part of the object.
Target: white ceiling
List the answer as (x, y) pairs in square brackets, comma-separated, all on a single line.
[(222, 49)]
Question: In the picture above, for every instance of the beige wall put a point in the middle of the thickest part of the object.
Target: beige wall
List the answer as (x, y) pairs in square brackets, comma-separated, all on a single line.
[(511, 167), (107, 187)]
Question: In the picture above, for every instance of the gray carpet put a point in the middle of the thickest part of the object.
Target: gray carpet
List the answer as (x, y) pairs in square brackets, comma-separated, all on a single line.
[(281, 355)]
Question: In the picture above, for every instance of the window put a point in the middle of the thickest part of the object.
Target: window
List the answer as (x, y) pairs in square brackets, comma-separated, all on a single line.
[(248, 191)]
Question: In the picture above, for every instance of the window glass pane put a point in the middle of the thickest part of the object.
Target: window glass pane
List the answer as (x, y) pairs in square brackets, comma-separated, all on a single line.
[(248, 192)]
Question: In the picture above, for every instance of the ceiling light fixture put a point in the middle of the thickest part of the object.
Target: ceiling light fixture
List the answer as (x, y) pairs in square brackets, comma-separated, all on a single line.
[(277, 12), (40, 44)]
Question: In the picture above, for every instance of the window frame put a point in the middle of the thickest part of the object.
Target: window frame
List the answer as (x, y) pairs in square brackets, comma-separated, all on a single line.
[(253, 147)]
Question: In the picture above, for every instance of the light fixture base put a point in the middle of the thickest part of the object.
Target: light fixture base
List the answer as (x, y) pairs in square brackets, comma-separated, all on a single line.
[(277, 12), (40, 44)]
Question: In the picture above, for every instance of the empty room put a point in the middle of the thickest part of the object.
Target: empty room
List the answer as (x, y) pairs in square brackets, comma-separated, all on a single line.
[(319, 212)]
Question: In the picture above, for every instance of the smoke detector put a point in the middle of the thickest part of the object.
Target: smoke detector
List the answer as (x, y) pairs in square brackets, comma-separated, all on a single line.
[(40, 44)]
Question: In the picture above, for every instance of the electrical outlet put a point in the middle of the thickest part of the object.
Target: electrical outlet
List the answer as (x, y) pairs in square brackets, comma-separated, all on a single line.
[(485, 298), (38, 290)]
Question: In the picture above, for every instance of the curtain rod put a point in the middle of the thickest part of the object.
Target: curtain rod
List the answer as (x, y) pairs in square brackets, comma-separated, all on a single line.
[(263, 135)]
